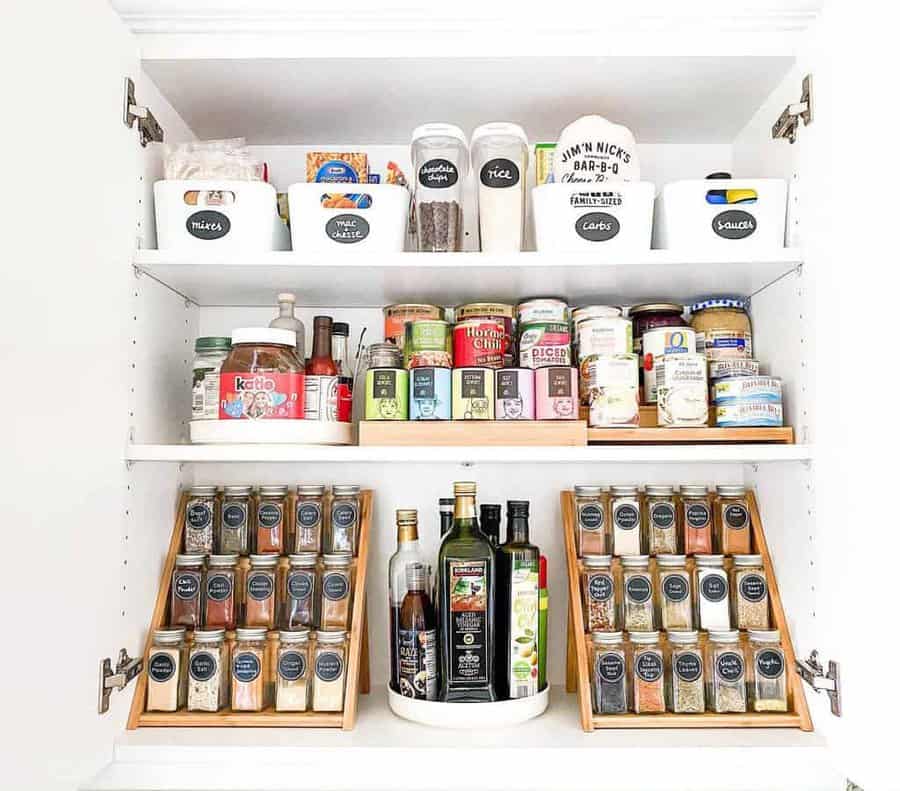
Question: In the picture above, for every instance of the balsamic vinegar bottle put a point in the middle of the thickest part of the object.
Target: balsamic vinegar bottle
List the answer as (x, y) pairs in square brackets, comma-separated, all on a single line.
[(417, 660), (490, 523), (408, 553)]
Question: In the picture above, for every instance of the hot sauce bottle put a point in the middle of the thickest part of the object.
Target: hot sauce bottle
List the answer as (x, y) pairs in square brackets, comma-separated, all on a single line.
[(321, 386)]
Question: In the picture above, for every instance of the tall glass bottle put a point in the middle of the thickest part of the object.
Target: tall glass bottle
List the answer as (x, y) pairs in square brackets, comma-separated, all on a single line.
[(287, 320), (517, 594), (417, 660), (466, 583), (445, 504), (490, 522), (340, 336), (321, 363), (321, 382), (408, 552)]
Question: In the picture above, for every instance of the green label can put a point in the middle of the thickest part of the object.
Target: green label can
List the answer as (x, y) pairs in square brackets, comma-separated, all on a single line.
[(387, 394), (427, 344)]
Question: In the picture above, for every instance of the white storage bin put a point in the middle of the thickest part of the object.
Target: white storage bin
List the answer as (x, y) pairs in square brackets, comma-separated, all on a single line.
[(605, 216), (685, 219), (379, 223), (201, 214)]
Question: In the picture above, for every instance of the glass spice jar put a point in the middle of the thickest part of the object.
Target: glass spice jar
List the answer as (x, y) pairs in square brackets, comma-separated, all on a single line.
[(711, 586), (732, 520), (259, 592), (684, 670), (592, 535), (248, 670), (697, 519), (330, 671), (749, 593), (337, 592), (292, 681), (661, 518), (300, 592), (208, 671), (648, 678), (598, 594), (726, 683), (184, 604), (309, 519), (269, 527), (609, 684), (199, 517), (343, 526), (625, 509), (638, 594), (166, 679), (767, 671), (674, 591), (219, 608), (234, 521)]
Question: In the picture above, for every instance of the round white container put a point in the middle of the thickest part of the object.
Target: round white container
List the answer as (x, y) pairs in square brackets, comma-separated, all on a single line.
[(499, 714)]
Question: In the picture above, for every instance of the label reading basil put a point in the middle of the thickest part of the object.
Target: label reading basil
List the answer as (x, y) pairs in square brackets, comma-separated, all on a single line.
[(234, 515), (384, 383), (438, 174), (292, 665), (590, 516), (626, 516), (559, 382), (246, 667), (187, 585), (329, 666), (199, 515), (309, 514), (347, 228), (218, 586), (610, 667), (300, 585), (730, 666), (638, 589), (335, 586), (662, 515), (499, 173), (770, 663), (648, 666), (736, 516), (507, 385), (697, 515), (734, 224), (714, 587), (161, 667), (202, 666), (600, 587), (688, 666), (675, 587), (597, 226), (207, 225), (269, 515), (260, 586), (473, 384), (753, 588), (423, 383)]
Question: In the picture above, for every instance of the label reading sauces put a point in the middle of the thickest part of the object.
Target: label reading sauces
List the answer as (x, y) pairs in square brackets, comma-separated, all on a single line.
[(468, 621), (261, 396), (734, 224)]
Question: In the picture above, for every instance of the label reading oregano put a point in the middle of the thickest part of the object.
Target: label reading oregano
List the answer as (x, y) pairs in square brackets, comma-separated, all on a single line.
[(610, 667), (590, 516), (662, 515), (161, 667), (688, 666), (648, 666), (600, 587), (734, 224), (730, 666), (639, 589)]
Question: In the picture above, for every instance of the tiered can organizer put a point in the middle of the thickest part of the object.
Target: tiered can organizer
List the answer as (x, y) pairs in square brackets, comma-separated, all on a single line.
[(473, 432), (578, 648), (357, 662)]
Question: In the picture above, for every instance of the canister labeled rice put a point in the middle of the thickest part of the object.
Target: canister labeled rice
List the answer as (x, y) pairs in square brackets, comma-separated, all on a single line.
[(473, 393), (556, 393), (545, 343), (613, 391), (429, 394), (427, 344), (658, 342), (682, 392), (541, 309), (498, 311), (479, 343), (397, 316), (387, 393), (515, 394)]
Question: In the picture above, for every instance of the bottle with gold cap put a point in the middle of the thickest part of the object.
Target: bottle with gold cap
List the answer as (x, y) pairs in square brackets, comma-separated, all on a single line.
[(408, 552), (466, 607)]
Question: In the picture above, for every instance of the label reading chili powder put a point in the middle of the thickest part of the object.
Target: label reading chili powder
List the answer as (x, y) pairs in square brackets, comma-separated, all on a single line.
[(218, 587), (187, 586), (688, 667), (730, 666), (753, 587), (736, 516), (648, 666)]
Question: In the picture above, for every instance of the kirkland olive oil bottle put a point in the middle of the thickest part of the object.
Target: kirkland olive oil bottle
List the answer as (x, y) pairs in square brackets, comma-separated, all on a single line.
[(466, 571)]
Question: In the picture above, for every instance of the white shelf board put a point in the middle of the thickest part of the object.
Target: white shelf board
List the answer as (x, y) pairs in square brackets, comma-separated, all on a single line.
[(386, 753), (378, 279), (726, 454)]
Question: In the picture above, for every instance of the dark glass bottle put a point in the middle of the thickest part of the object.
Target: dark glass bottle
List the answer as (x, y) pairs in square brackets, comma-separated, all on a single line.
[(466, 582), (417, 660), (445, 504), (517, 603), (490, 523), (408, 553), (321, 362)]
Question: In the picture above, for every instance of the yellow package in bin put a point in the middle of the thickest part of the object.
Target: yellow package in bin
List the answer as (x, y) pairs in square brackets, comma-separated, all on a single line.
[(337, 167)]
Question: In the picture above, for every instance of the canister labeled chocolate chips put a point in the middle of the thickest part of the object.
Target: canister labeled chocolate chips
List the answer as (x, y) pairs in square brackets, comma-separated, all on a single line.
[(440, 160)]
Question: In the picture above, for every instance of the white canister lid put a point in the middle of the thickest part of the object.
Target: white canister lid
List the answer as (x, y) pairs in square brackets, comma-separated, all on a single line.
[(264, 335), (439, 130), (498, 129)]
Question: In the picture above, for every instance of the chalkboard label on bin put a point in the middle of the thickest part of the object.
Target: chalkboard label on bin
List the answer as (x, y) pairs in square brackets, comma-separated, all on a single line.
[(734, 224), (597, 226), (347, 228), (208, 225)]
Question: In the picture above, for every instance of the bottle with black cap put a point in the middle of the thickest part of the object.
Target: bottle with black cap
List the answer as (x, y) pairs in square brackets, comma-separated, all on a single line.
[(340, 336), (490, 522), (445, 505)]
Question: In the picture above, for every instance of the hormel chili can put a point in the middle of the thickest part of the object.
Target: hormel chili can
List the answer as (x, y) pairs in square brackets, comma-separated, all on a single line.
[(479, 343), (515, 394), (321, 398), (545, 343), (497, 311), (556, 393)]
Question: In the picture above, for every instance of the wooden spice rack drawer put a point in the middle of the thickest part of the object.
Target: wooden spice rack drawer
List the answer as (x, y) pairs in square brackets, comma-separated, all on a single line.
[(357, 653), (578, 649), (473, 432)]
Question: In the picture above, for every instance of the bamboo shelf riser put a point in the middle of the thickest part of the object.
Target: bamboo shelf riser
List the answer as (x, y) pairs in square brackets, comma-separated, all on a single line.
[(438, 433), (357, 653), (578, 648)]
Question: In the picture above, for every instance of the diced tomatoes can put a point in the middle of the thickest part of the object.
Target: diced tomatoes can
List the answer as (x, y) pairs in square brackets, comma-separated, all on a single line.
[(479, 343), (396, 317), (427, 344), (545, 343)]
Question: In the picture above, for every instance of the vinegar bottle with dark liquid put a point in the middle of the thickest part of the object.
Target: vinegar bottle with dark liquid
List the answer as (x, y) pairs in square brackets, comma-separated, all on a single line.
[(408, 553)]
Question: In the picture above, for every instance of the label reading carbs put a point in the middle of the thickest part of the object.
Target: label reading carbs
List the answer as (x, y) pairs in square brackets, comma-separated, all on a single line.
[(499, 173), (438, 174), (770, 663), (610, 667), (218, 587), (246, 667), (523, 623), (675, 587), (597, 226), (736, 516), (714, 587), (187, 585), (468, 621), (688, 666), (753, 587), (202, 666), (648, 666), (730, 666), (590, 517), (600, 587), (161, 667), (662, 515), (329, 666), (260, 586), (416, 657), (697, 515), (292, 665), (639, 589)]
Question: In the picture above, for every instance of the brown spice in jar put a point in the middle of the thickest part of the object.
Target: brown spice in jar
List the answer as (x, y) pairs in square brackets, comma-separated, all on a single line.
[(184, 606), (598, 595), (259, 592), (697, 518), (248, 671), (337, 592), (269, 522), (648, 682), (219, 593)]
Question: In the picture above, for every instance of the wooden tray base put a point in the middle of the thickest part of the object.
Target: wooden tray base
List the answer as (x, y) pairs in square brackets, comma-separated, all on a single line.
[(473, 432)]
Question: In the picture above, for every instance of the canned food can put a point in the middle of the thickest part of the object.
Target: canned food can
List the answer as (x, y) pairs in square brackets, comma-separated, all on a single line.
[(473, 393), (613, 391), (540, 309), (658, 342), (320, 398), (747, 388), (387, 394), (748, 414), (595, 312), (429, 393), (682, 395), (515, 394), (396, 318), (478, 343), (729, 367), (556, 393), (603, 335), (497, 311), (427, 344), (545, 343)]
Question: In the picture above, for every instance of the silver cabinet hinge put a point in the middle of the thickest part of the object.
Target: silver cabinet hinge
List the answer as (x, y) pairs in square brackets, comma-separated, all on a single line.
[(148, 127), (789, 121), (127, 669), (812, 672)]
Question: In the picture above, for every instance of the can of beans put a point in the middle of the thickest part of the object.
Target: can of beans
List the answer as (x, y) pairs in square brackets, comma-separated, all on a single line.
[(396, 318), (515, 394), (556, 393), (540, 309), (478, 343), (473, 393), (427, 344), (545, 343), (497, 311), (429, 393)]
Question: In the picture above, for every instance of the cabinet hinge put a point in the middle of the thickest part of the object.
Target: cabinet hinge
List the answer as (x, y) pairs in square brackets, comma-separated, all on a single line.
[(789, 121), (126, 670), (148, 127), (812, 672)]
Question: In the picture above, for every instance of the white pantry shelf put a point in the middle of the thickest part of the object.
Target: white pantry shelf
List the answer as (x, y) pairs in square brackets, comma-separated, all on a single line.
[(378, 279)]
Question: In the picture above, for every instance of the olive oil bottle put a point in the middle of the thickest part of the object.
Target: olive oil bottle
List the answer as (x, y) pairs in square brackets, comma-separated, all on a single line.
[(466, 590)]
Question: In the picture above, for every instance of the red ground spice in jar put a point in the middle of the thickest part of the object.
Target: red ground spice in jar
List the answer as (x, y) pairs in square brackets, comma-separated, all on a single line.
[(219, 610)]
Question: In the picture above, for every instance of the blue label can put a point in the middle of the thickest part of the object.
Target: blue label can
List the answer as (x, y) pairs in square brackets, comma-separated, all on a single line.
[(429, 393)]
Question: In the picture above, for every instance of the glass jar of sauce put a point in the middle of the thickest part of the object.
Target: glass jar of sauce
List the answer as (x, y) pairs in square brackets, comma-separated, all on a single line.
[(723, 328), (651, 315)]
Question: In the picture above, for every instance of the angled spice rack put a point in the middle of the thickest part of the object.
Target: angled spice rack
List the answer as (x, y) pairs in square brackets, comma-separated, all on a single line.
[(357, 659), (578, 648)]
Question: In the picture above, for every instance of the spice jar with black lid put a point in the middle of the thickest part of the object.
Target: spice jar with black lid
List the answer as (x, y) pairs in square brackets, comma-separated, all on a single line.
[(684, 670), (185, 600), (309, 519), (219, 599), (749, 593), (299, 592), (609, 676), (592, 536), (732, 515), (259, 592), (269, 525), (726, 690), (233, 535), (343, 526), (199, 518)]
